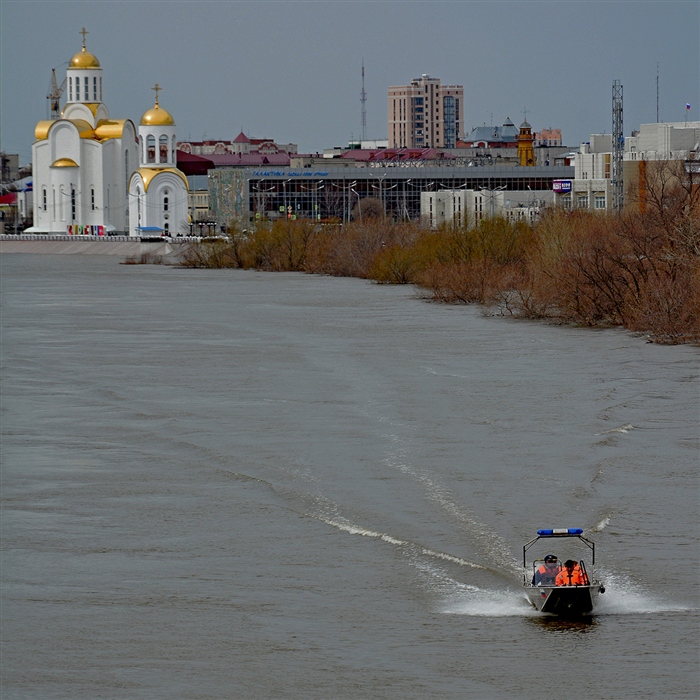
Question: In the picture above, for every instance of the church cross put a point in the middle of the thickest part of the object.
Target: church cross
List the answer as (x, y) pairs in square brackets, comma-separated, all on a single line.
[(524, 114), (157, 88), (83, 31)]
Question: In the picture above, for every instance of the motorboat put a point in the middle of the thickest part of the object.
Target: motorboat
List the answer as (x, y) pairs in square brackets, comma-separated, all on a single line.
[(576, 594)]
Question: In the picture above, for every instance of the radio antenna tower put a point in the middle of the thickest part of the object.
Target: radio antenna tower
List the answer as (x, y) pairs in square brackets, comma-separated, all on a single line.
[(618, 146), (363, 100), (657, 93)]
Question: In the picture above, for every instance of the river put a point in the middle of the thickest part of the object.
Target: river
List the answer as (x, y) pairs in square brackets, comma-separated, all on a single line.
[(222, 484)]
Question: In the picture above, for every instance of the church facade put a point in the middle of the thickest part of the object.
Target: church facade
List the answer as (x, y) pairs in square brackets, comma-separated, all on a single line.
[(84, 164), (157, 190)]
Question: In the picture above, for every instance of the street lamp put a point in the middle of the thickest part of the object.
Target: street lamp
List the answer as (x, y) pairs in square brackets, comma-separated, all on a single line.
[(260, 197), (492, 193), (314, 197), (359, 205)]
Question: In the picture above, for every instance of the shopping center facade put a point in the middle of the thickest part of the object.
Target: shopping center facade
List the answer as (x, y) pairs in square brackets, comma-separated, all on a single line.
[(336, 193)]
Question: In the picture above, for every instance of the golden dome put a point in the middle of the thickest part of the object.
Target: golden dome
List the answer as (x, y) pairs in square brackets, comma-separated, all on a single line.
[(64, 163), (84, 59), (157, 116)]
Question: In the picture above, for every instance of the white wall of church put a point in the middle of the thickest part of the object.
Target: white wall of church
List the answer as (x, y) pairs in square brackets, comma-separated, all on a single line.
[(162, 206)]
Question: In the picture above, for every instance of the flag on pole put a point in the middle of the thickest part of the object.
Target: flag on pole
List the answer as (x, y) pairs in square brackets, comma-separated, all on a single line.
[(687, 105)]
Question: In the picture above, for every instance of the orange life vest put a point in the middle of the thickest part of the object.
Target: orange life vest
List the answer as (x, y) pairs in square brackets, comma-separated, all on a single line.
[(545, 575), (575, 577)]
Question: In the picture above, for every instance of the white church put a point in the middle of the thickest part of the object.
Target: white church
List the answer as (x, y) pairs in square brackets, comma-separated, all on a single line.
[(98, 176)]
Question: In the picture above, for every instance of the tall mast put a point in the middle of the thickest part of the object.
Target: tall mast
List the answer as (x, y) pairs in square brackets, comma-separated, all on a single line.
[(363, 100), (618, 146)]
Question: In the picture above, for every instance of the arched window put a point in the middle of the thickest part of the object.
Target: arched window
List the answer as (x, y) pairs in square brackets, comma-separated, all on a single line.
[(86, 81), (92, 198), (43, 197), (163, 148), (151, 148), (165, 199), (72, 204), (174, 156), (100, 88), (166, 226), (70, 89), (94, 89)]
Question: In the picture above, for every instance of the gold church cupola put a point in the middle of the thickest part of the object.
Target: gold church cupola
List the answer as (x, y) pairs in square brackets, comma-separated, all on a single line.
[(84, 59), (157, 116), (157, 136), (84, 77)]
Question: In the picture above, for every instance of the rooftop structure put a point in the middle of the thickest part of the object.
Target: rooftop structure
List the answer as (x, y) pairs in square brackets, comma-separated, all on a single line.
[(242, 144), (505, 136)]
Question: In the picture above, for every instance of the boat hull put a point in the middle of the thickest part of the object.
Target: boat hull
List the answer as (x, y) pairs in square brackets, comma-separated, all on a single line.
[(563, 600)]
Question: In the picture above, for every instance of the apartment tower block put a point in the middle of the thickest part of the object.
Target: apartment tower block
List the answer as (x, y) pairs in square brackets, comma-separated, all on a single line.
[(425, 114)]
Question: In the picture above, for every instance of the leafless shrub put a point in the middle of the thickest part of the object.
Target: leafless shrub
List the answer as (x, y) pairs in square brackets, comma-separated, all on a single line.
[(146, 258)]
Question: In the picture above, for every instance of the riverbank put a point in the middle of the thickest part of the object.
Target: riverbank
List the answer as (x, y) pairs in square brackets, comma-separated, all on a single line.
[(124, 246)]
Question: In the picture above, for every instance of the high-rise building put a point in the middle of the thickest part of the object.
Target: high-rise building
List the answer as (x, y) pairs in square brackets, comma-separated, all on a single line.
[(425, 114)]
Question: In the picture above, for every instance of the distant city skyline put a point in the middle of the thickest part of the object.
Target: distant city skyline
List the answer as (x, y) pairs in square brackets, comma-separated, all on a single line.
[(291, 71)]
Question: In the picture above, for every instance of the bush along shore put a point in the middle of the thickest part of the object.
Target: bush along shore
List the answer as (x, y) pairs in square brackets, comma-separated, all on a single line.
[(640, 271)]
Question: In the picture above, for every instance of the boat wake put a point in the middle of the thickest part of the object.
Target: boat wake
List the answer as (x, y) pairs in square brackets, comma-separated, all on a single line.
[(485, 603), (622, 597), (600, 526), (625, 597), (620, 429), (416, 548), (486, 596)]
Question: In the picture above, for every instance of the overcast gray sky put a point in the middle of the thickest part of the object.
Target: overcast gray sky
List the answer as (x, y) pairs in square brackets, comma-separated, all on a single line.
[(291, 70)]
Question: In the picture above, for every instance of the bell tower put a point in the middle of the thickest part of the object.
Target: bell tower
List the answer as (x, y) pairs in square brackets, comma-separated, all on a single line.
[(526, 149), (157, 137)]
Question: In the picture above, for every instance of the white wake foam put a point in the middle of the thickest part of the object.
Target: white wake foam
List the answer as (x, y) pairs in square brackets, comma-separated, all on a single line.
[(601, 525), (352, 529), (488, 603), (625, 597), (620, 429)]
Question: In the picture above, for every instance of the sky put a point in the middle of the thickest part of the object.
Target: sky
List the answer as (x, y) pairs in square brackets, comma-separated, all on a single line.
[(290, 70)]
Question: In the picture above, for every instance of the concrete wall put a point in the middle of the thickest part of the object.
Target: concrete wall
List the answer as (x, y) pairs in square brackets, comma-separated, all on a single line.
[(72, 245)]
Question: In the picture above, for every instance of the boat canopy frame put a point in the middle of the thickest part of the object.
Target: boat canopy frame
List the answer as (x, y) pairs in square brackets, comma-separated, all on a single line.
[(576, 532)]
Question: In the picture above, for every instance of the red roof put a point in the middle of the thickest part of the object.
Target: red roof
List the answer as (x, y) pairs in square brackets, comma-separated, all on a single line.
[(249, 159), (191, 164), (9, 198), (241, 138)]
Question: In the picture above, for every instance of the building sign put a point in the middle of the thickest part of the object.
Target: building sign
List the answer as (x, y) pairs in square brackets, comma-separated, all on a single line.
[(290, 173), (561, 186), (79, 230)]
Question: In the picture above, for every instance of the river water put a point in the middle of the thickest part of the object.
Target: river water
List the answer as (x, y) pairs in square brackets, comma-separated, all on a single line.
[(221, 484)]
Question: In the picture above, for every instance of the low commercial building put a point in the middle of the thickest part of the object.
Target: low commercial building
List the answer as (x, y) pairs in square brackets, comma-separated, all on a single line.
[(468, 207), (591, 187), (336, 194)]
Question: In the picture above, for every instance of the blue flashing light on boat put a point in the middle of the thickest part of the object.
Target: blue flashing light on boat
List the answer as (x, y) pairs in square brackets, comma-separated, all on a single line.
[(561, 532)]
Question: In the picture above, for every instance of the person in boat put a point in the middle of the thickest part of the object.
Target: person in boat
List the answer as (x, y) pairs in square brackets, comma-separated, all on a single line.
[(571, 575), (546, 575)]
